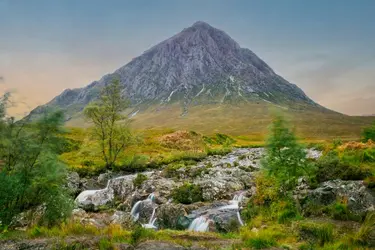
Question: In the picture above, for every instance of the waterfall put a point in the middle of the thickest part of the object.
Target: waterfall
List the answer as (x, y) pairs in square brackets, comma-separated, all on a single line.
[(239, 218), (135, 211), (199, 224), (152, 221)]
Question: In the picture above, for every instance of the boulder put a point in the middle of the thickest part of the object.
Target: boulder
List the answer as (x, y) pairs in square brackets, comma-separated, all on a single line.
[(73, 182), (359, 199)]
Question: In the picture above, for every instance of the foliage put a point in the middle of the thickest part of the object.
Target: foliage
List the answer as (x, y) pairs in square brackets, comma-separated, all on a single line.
[(219, 139), (331, 166), (268, 190), (31, 176), (366, 234), (139, 179), (106, 116), (139, 233), (320, 233), (285, 158), (188, 193), (369, 133)]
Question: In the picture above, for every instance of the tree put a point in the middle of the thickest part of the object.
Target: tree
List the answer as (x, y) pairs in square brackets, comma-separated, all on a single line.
[(369, 133), (285, 158), (111, 128), (31, 174)]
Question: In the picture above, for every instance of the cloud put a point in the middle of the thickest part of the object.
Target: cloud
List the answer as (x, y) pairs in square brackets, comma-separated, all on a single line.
[(2, 79)]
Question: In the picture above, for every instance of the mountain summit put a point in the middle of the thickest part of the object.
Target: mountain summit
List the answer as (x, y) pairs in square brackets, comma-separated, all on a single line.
[(201, 65)]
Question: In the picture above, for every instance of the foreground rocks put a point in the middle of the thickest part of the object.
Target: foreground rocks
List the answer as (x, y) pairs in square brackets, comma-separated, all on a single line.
[(358, 198)]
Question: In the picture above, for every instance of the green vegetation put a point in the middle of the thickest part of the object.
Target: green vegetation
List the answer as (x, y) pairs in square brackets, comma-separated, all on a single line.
[(188, 193), (369, 133), (31, 176), (139, 179), (105, 114), (285, 158)]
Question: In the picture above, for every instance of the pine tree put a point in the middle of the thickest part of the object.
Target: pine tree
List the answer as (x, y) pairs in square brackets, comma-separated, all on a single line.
[(285, 158)]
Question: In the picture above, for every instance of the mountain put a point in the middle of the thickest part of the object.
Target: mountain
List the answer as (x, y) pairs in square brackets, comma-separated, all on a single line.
[(200, 69)]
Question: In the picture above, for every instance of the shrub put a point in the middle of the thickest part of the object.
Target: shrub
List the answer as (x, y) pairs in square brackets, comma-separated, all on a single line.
[(266, 238), (218, 151), (140, 233), (267, 190), (139, 179), (331, 167), (317, 233), (188, 193), (366, 234), (105, 244), (369, 133), (135, 163), (370, 182), (260, 242)]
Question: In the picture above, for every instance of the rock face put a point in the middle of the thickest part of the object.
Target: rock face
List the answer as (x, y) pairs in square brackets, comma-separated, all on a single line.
[(199, 65), (359, 198)]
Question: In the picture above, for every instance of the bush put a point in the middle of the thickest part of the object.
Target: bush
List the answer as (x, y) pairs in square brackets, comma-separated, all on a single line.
[(370, 182), (369, 133), (139, 179), (188, 193), (260, 242), (317, 233), (140, 233), (135, 163), (331, 167), (218, 151), (267, 190), (366, 234), (31, 175), (219, 139)]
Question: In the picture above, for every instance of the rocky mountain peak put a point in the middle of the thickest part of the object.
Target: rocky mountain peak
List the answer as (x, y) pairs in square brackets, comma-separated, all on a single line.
[(200, 65)]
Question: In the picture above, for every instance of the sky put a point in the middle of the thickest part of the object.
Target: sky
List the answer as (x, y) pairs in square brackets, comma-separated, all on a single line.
[(327, 48)]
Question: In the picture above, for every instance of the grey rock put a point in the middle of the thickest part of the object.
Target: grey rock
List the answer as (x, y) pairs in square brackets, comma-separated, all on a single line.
[(73, 182), (360, 199)]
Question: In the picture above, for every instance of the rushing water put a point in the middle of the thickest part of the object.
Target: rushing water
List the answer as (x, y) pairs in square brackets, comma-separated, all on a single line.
[(201, 223), (136, 211)]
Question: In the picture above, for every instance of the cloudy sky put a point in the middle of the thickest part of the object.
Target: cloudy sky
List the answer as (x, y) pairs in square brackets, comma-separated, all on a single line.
[(325, 47)]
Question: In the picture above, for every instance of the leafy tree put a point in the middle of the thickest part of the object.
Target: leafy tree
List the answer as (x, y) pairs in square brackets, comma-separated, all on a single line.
[(285, 158), (369, 133), (111, 128), (31, 175)]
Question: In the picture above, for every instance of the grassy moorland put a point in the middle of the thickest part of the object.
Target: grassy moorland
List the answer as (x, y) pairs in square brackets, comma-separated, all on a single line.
[(248, 121), (35, 159)]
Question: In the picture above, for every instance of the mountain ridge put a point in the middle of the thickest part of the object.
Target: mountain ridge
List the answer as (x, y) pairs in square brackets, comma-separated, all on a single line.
[(199, 65)]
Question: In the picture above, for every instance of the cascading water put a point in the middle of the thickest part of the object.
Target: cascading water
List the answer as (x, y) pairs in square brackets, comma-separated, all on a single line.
[(200, 224), (151, 222), (136, 211)]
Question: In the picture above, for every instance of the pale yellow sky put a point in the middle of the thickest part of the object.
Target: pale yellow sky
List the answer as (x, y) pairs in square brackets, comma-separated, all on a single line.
[(35, 78)]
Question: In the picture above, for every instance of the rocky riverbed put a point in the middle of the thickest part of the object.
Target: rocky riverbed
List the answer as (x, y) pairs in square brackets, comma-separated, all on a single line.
[(226, 182)]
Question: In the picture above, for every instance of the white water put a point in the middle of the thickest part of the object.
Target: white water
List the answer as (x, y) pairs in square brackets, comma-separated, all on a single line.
[(136, 211), (201, 223), (152, 221)]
